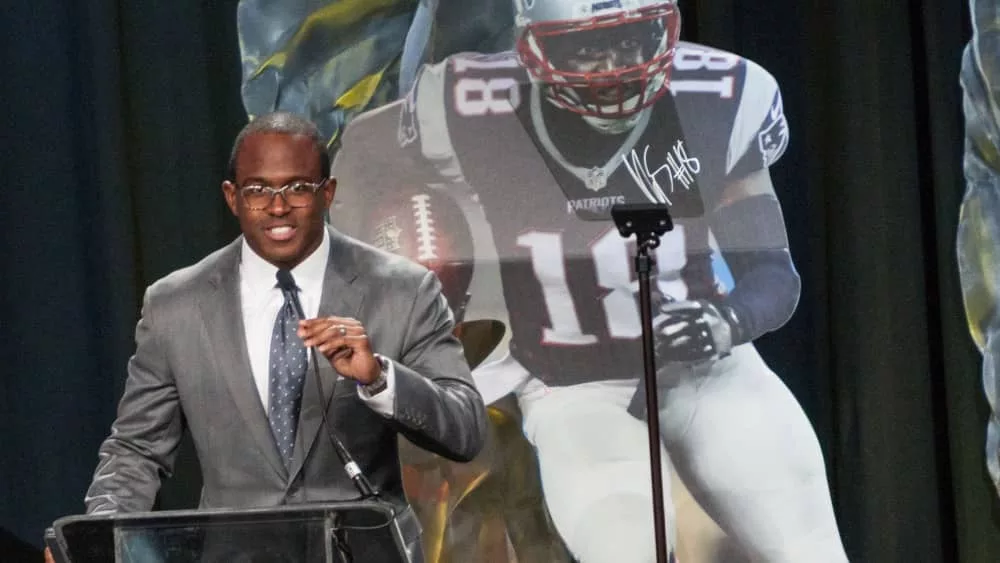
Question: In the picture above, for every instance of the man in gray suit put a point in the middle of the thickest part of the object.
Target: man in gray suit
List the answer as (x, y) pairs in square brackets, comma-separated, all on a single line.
[(221, 352)]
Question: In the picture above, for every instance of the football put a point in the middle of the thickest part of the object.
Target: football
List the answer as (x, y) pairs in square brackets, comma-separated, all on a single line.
[(429, 228)]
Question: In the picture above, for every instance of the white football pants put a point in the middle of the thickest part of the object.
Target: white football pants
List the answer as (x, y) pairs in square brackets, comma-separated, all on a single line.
[(736, 436)]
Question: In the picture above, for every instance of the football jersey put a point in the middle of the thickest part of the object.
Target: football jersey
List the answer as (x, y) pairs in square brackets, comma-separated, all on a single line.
[(546, 180)]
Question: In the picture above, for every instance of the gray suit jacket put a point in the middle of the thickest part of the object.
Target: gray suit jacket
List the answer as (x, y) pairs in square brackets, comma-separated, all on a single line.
[(191, 370)]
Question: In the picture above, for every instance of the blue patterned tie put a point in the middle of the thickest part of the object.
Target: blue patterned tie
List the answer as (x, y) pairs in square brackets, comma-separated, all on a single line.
[(287, 374)]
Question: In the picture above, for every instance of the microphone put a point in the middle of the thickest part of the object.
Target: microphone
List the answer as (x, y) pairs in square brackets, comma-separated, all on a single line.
[(287, 283)]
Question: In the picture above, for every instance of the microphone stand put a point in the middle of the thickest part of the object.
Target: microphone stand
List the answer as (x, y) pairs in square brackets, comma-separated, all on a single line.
[(287, 283), (648, 222), (368, 492)]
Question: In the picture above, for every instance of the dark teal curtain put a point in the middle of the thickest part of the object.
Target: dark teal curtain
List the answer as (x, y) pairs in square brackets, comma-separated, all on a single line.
[(117, 121)]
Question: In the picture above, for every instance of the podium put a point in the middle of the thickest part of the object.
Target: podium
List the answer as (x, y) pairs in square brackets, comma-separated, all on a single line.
[(340, 532)]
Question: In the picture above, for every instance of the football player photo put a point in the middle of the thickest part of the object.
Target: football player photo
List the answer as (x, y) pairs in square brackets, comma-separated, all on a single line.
[(499, 172)]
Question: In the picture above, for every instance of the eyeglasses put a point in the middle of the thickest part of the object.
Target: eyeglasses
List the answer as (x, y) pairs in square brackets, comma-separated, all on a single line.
[(295, 194)]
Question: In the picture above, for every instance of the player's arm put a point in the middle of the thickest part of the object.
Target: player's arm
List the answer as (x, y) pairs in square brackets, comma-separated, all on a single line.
[(423, 123), (745, 218), (750, 231), (465, 92), (399, 148)]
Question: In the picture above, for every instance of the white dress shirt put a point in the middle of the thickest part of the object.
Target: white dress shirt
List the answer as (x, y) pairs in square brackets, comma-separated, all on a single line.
[(261, 300)]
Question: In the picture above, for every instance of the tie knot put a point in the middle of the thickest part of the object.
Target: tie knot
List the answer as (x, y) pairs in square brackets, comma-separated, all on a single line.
[(285, 281)]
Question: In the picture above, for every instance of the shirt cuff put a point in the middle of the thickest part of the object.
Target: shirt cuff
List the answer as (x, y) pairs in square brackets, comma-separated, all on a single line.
[(384, 401)]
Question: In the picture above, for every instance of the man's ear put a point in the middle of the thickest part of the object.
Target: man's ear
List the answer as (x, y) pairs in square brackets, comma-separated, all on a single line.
[(329, 189), (229, 192)]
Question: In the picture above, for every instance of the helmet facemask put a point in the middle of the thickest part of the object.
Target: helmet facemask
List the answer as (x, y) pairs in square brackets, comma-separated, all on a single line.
[(607, 67)]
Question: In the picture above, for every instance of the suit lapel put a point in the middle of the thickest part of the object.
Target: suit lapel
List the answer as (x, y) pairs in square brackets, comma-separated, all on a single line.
[(343, 299), (223, 316)]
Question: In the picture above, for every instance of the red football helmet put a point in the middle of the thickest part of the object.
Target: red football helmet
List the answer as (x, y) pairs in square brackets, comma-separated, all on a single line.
[(606, 58)]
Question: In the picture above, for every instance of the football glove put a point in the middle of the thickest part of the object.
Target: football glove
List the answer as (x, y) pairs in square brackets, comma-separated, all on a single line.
[(687, 332), (692, 331)]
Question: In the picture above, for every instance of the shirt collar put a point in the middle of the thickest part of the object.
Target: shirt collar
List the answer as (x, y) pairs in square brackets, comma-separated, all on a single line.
[(259, 275)]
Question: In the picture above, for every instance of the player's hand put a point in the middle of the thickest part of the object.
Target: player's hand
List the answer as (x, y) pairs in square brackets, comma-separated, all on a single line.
[(48, 556), (344, 343), (691, 331)]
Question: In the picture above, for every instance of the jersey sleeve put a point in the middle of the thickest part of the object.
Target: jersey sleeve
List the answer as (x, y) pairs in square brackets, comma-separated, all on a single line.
[(760, 130), (423, 123), (406, 141), (398, 148)]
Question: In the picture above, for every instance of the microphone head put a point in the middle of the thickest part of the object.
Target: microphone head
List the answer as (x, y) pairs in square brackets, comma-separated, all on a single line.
[(285, 280)]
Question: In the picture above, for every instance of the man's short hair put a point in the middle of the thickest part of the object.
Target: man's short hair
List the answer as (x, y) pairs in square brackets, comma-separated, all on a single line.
[(285, 123)]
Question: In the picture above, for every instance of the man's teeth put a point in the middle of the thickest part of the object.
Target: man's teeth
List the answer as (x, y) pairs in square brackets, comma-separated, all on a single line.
[(281, 230)]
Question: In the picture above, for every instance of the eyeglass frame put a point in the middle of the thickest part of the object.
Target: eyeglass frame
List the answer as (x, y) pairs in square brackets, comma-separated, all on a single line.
[(315, 188)]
